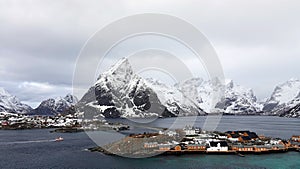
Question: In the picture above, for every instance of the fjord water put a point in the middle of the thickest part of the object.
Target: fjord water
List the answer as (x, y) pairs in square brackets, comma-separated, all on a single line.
[(36, 148)]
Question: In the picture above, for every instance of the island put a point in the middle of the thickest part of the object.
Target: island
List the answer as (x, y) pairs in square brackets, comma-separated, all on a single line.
[(191, 140)]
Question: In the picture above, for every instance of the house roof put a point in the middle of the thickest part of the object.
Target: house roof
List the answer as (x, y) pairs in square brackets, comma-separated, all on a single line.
[(253, 135), (235, 135), (246, 138)]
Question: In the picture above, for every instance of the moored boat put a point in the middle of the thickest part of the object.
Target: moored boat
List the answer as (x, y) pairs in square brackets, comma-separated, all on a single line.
[(59, 139)]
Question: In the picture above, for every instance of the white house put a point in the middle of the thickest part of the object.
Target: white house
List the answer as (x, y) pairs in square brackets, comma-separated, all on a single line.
[(217, 146)]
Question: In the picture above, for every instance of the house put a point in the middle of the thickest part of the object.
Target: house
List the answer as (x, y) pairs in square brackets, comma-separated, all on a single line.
[(191, 131), (242, 136), (233, 137), (260, 148), (4, 123), (168, 133), (278, 147), (253, 136), (244, 139), (151, 145), (275, 141), (164, 147), (295, 138), (222, 136), (218, 146), (196, 147), (241, 147), (178, 148), (295, 144)]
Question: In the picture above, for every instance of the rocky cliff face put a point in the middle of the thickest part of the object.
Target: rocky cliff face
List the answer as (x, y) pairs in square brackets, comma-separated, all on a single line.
[(119, 92)]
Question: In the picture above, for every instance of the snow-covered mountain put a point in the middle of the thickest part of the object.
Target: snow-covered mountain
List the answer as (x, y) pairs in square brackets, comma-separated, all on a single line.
[(119, 92), (11, 104), (240, 100), (236, 99), (285, 100), (59, 105), (179, 102)]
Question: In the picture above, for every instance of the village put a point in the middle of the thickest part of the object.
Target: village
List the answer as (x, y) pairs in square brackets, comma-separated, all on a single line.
[(192, 140), (20, 121), (64, 123), (229, 142)]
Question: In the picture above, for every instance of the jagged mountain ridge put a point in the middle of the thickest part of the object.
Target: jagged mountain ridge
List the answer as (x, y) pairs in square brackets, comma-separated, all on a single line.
[(119, 92), (235, 100), (59, 105), (285, 100), (11, 104), (55, 106)]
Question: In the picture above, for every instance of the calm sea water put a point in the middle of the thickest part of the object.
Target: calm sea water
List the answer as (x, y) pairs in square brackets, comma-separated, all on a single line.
[(36, 148)]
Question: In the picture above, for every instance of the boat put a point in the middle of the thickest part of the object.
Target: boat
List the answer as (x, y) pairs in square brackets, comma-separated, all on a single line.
[(59, 139)]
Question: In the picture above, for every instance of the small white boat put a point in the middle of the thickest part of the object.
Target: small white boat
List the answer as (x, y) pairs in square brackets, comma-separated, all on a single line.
[(59, 139)]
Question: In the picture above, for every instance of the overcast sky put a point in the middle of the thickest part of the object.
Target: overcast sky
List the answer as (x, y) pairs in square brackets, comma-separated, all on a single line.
[(258, 42)]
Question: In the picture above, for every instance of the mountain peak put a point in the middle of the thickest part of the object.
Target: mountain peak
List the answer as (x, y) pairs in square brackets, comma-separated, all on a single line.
[(283, 95), (58, 105), (229, 83), (122, 65), (293, 80), (3, 92), (287, 91), (11, 104), (71, 98)]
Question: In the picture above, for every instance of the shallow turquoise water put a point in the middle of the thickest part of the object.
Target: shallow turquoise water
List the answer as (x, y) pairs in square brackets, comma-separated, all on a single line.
[(273, 161)]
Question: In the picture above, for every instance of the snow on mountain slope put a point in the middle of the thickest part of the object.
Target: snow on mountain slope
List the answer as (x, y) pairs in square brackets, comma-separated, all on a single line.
[(240, 100), (285, 92), (293, 111), (282, 95), (119, 92), (290, 109), (236, 99), (183, 104), (59, 105), (12, 104), (284, 99), (198, 90)]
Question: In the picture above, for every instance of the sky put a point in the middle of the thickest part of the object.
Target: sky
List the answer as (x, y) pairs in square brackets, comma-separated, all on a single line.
[(257, 42)]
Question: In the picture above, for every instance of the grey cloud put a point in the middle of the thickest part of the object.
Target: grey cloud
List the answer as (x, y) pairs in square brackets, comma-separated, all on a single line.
[(33, 93), (257, 41)]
